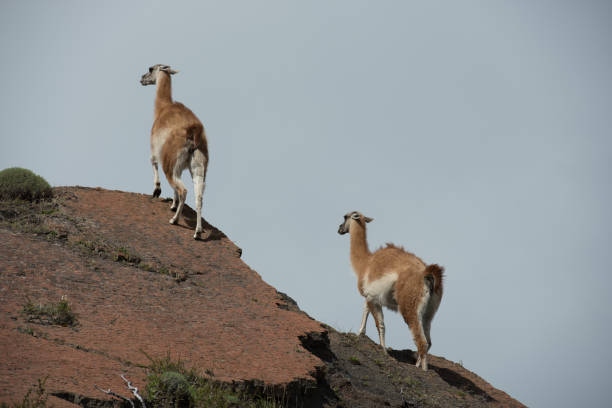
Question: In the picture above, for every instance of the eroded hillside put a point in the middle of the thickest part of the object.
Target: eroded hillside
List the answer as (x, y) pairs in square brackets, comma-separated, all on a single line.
[(140, 288)]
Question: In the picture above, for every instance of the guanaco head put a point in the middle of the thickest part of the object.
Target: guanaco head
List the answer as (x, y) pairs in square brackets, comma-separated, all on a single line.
[(150, 78), (350, 218)]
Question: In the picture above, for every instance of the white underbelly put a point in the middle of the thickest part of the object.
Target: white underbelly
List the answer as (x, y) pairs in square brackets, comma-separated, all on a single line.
[(382, 291)]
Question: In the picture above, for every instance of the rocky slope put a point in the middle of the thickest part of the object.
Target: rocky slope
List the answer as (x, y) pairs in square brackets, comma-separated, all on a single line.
[(142, 288)]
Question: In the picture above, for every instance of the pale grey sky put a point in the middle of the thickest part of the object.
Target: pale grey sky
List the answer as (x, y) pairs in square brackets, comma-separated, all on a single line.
[(476, 133)]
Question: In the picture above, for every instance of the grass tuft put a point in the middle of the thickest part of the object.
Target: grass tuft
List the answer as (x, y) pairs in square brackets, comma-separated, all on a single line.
[(355, 361), (59, 313), (171, 384)]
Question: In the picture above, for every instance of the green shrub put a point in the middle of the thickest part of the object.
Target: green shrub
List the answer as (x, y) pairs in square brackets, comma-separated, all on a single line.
[(59, 313), (18, 183), (171, 385), (171, 389)]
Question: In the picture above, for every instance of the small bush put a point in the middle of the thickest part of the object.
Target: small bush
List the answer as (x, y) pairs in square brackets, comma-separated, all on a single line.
[(59, 313), (171, 385), (18, 183)]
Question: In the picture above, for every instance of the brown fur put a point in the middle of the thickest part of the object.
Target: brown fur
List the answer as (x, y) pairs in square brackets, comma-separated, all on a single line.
[(360, 253), (409, 292), (163, 93), (438, 273), (190, 132)]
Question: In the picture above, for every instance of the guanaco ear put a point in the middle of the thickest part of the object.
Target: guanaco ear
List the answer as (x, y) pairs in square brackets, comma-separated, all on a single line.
[(368, 219), (169, 70), (355, 216)]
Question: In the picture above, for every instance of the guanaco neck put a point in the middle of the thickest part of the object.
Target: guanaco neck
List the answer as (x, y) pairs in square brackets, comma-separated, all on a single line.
[(360, 253), (164, 91)]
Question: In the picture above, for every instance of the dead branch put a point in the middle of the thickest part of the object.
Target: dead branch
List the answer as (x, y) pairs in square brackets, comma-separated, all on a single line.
[(109, 392), (134, 391)]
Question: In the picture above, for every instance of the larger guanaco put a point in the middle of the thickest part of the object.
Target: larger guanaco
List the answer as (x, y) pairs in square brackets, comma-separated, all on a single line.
[(178, 141)]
